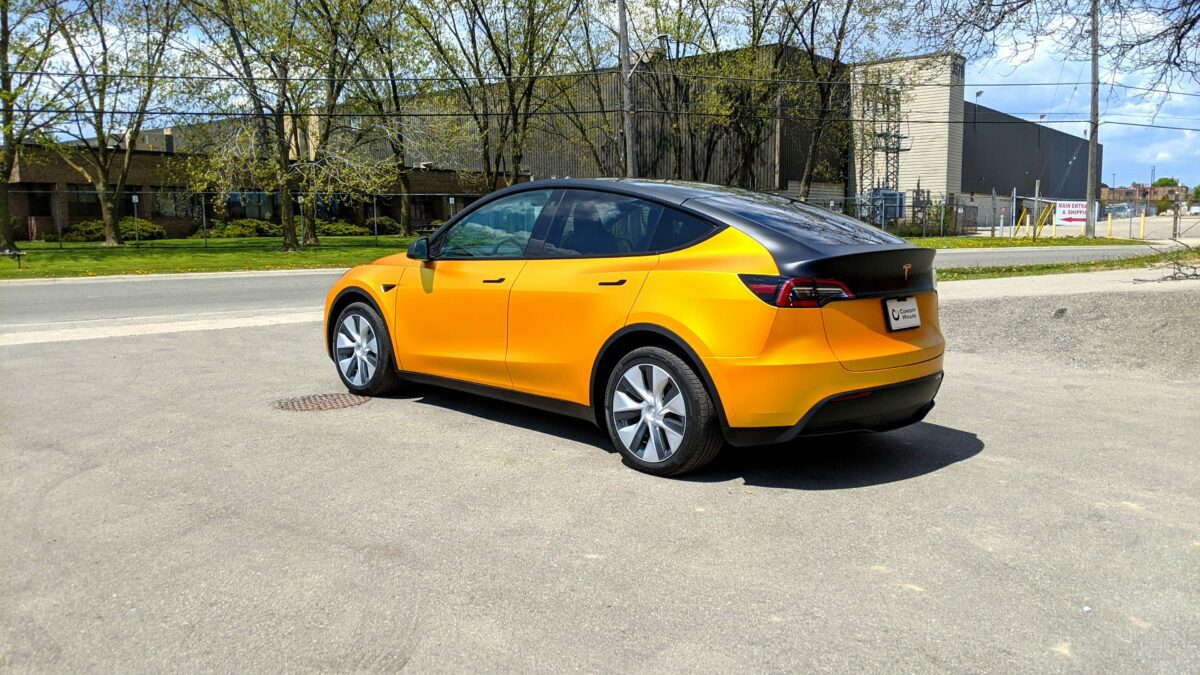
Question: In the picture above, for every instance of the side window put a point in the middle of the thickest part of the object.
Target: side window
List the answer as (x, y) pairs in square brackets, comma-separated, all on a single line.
[(591, 223), (500, 229), (677, 229)]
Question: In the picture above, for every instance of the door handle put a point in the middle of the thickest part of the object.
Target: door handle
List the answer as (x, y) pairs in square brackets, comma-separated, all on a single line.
[(618, 282), (494, 281)]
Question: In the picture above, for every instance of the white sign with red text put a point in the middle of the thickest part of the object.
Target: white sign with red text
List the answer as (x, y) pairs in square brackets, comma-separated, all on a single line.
[(1067, 214)]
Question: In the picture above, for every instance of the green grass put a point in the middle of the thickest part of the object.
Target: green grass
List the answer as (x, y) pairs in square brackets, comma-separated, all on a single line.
[(1144, 261), (45, 259), (1009, 242)]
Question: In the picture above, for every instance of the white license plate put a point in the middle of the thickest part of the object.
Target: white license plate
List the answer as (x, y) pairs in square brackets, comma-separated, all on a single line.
[(902, 313)]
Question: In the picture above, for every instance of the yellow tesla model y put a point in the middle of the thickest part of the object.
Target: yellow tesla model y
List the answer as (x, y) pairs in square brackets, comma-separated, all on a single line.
[(679, 317)]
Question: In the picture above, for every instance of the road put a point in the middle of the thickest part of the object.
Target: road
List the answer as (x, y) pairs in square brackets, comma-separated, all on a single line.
[(991, 257), (161, 514), (156, 298)]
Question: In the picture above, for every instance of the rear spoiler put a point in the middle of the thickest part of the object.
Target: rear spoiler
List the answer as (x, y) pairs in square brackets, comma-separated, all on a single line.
[(873, 271)]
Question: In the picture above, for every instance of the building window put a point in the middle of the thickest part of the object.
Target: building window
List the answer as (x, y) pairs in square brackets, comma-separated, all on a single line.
[(175, 202), (39, 198), (82, 203)]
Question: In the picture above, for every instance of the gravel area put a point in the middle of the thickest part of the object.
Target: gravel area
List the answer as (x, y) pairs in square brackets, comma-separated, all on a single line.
[(1150, 331)]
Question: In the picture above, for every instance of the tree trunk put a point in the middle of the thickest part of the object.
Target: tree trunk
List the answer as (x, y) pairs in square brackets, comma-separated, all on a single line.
[(310, 219), (286, 221), (405, 205), (814, 144), (8, 242), (108, 213)]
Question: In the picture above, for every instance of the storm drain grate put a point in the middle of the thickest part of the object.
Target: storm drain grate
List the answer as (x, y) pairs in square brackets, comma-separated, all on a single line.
[(316, 402)]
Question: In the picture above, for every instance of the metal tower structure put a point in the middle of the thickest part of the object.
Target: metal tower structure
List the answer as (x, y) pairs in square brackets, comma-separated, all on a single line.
[(882, 143)]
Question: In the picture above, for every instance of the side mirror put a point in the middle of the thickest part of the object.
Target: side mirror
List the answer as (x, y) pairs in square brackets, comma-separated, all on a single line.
[(419, 250)]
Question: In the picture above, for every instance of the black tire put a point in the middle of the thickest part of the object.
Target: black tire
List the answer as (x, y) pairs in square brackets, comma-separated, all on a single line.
[(701, 435), (383, 379)]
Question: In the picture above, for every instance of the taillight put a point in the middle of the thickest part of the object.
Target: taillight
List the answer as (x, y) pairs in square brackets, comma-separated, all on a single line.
[(795, 291)]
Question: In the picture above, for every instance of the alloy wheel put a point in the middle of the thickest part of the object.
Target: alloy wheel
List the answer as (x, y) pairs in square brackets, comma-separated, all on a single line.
[(649, 412), (357, 350)]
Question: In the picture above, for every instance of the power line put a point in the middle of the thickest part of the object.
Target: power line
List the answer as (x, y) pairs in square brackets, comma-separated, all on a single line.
[(551, 113), (486, 79)]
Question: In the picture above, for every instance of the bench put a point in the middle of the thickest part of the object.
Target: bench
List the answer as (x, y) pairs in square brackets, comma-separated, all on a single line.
[(15, 254)]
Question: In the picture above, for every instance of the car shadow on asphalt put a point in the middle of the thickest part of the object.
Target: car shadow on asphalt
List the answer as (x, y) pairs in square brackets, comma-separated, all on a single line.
[(562, 426), (818, 463), (844, 461)]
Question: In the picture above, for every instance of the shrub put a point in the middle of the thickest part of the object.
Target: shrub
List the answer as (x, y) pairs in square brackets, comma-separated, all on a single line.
[(386, 225), (909, 230), (145, 229), (339, 228), (93, 230), (241, 228)]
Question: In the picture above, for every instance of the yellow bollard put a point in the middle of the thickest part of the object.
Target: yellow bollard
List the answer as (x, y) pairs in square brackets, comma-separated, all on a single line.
[(1142, 228), (1110, 224)]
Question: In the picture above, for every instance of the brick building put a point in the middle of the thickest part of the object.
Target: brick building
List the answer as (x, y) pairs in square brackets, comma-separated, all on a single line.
[(47, 194), (1141, 192)]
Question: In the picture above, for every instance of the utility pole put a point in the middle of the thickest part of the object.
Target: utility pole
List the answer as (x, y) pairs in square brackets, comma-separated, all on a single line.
[(1093, 177), (626, 91), (1037, 208)]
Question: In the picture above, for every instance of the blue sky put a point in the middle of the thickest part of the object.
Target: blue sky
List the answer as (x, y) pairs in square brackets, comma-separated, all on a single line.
[(1129, 151)]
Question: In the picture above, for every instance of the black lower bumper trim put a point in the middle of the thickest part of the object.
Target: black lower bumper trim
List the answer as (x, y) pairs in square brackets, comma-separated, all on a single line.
[(877, 409)]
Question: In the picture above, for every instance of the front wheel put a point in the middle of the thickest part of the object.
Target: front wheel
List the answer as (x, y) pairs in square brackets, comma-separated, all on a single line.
[(363, 351), (659, 415)]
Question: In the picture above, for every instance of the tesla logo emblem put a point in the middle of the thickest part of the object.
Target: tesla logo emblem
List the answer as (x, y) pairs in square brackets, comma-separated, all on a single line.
[(907, 267)]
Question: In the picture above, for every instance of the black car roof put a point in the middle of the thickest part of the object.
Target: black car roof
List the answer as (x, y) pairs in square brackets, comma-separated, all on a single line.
[(839, 247), (670, 191)]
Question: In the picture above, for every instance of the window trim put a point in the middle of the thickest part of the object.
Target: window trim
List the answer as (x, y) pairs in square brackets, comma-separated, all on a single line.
[(536, 253)]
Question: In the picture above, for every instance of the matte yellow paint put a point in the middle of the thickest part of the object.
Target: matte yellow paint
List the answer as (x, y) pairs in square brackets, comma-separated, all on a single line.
[(452, 319), (540, 330), (560, 314), (858, 334), (696, 294)]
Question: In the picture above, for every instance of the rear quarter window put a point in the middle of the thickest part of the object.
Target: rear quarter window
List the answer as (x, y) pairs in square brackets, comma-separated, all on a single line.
[(677, 229), (808, 224)]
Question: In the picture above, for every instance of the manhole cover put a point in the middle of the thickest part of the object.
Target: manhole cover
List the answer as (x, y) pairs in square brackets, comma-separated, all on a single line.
[(314, 402)]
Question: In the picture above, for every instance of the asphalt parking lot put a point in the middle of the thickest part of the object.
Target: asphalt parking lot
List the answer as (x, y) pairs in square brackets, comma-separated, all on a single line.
[(160, 513)]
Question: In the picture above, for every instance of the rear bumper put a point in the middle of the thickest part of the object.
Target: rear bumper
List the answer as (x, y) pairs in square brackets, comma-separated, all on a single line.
[(877, 408)]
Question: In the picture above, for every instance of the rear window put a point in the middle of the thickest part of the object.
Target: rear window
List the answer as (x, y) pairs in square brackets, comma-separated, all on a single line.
[(808, 224)]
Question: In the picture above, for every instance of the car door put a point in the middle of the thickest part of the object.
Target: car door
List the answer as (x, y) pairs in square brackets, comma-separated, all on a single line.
[(452, 310), (577, 289)]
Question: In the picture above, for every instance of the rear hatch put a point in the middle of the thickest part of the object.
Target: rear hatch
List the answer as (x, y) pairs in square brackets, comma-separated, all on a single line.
[(828, 251), (877, 328)]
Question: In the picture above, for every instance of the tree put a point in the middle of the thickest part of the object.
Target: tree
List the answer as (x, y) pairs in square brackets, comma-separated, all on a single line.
[(116, 51), (494, 53), (26, 45), (1158, 37), (331, 39), (580, 98), (407, 118), (253, 47), (1166, 181), (687, 112), (1196, 194)]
